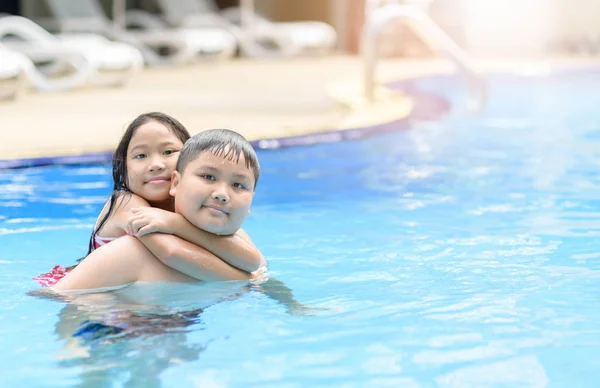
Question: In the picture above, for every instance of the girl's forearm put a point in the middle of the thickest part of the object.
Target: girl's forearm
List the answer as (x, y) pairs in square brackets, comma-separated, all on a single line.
[(190, 259), (232, 249)]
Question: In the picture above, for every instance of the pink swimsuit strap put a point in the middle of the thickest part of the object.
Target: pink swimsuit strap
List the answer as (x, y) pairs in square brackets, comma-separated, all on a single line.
[(99, 241)]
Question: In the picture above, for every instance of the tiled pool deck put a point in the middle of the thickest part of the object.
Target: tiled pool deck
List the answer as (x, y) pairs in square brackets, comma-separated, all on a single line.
[(261, 99)]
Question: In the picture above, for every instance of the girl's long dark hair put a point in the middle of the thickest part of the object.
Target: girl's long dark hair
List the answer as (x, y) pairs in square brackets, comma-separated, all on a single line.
[(119, 160)]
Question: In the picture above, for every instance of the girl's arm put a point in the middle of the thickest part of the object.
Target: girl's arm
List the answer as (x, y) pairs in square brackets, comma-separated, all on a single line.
[(118, 222), (191, 259), (237, 249)]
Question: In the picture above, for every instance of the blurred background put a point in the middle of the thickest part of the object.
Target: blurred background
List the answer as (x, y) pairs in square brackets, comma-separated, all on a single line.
[(269, 68), (508, 27)]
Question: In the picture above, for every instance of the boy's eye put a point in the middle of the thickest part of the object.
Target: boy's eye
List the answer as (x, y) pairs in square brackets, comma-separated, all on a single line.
[(139, 156), (208, 177), (170, 152), (239, 186)]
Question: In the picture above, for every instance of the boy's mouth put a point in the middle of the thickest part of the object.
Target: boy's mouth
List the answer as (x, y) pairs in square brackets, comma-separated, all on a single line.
[(217, 208)]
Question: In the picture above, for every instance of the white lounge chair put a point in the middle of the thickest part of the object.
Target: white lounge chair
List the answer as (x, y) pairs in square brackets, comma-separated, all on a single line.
[(12, 73), (158, 45), (200, 13), (265, 39), (305, 37), (209, 42), (82, 57)]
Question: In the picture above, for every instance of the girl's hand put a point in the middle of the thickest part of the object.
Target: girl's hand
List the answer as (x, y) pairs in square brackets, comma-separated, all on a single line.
[(145, 220)]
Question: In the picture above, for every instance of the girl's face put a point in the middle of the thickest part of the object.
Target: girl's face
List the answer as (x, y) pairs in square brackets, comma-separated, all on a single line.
[(151, 157)]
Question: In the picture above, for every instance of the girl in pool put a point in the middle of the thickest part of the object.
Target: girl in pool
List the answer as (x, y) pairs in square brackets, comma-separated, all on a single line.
[(213, 188), (142, 166)]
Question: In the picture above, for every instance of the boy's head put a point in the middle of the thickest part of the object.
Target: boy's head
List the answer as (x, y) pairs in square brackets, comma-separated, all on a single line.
[(214, 181)]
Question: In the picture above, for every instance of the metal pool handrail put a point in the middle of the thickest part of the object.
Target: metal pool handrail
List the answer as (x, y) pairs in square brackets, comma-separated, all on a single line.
[(376, 18)]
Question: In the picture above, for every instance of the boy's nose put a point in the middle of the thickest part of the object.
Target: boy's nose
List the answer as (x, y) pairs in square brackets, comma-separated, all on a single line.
[(220, 194), (221, 197)]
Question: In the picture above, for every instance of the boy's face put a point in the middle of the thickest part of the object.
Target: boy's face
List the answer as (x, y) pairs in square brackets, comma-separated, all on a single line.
[(214, 193)]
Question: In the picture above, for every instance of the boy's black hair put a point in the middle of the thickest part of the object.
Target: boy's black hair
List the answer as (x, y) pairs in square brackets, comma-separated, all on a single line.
[(221, 142), (119, 159)]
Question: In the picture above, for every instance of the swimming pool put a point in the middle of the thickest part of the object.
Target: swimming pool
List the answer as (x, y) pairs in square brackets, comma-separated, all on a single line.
[(460, 252)]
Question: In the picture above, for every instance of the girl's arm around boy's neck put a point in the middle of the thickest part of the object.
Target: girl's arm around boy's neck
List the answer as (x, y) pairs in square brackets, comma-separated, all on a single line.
[(237, 249), (190, 259)]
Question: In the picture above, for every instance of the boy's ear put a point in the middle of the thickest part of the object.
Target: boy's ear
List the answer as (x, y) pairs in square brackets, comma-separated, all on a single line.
[(174, 183)]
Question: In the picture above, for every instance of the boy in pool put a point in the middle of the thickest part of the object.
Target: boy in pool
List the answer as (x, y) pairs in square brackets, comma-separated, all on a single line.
[(213, 186), (142, 165)]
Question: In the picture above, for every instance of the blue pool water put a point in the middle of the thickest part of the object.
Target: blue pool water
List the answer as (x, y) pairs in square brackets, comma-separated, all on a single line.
[(457, 253)]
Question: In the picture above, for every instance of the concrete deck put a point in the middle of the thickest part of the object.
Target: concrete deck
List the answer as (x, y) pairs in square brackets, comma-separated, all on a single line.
[(260, 99)]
